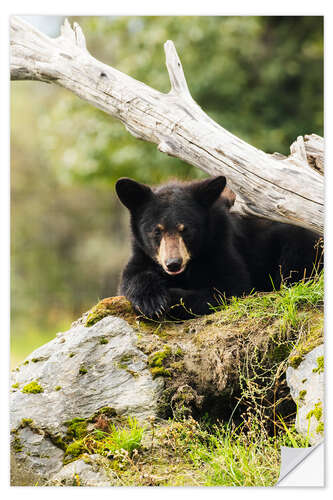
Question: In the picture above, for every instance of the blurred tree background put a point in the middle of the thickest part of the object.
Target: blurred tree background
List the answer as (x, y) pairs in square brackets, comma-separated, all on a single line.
[(259, 77)]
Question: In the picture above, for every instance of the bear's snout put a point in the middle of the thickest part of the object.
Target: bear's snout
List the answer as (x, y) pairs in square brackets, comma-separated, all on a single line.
[(174, 265), (172, 254)]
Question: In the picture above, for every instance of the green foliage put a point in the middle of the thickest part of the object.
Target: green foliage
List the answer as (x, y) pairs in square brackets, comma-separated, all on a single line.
[(290, 437), (127, 439), (196, 453), (118, 439), (240, 459), (283, 304), (257, 68)]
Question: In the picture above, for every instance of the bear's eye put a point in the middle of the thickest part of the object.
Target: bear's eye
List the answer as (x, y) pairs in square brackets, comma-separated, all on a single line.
[(158, 229)]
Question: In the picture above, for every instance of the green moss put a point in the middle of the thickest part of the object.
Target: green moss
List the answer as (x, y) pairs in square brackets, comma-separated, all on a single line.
[(57, 388), (122, 364), (32, 388), (108, 411), (75, 449), (71, 354), (123, 360), (182, 402), (76, 428), (163, 329), (26, 421), (160, 371), (125, 436), (280, 352), (26, 362), (58, 441), (320, 428), (313, 338), (320, 365), (157, 358), (15, 386), (177, 365), (317, 412), (82, 370), (302, 395), (116, 306), (152, 327), (156, 362), (103, 341), (17, 445), (179, 352), (35, 360), (295, 360)]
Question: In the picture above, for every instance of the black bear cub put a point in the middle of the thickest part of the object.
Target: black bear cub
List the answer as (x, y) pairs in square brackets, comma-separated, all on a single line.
[(189, 249)]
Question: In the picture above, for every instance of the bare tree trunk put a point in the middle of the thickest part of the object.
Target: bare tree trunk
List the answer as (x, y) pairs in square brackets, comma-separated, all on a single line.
[(286, 189)]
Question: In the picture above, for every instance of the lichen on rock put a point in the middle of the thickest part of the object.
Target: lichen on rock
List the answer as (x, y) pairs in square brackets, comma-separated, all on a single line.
[(32, 388), (306, 383)]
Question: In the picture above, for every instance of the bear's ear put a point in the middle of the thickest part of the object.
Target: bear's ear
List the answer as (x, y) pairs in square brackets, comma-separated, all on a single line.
[(228, 197), (132, 194), (209, 190)]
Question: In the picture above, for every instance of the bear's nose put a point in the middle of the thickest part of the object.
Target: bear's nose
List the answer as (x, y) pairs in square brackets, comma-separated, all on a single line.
[(173, 265)]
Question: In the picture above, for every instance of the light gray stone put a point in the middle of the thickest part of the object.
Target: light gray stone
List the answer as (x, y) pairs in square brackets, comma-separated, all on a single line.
[(39, 455), (306, 384), (88, 471), (91, 375)]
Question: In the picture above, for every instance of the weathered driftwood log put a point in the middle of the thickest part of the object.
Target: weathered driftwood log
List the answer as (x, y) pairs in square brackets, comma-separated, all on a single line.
[(287, 189)]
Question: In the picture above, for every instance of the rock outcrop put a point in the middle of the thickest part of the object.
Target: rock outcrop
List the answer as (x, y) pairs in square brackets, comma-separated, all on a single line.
[(112, 364), (80, 373), (306, 384)]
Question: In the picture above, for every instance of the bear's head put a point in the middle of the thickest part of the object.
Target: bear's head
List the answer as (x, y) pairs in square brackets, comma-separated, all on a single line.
[(170, 222)]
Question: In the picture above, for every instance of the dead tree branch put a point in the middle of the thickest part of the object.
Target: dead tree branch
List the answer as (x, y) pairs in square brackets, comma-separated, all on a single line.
[(286, 189)]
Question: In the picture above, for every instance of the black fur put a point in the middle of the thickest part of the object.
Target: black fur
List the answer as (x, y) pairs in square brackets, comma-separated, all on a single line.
[(230, 254)]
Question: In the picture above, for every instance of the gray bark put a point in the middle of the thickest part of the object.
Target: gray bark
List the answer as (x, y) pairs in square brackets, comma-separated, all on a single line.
[(287, 189)]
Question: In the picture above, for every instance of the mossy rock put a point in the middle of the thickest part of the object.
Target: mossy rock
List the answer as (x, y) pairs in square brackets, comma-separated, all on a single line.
[(112, 306), (74, 450), (76, 428), (313, 337)]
